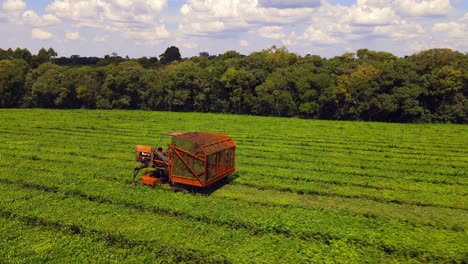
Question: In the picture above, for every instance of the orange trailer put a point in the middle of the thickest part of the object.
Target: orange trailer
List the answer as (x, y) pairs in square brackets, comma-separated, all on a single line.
[(192, 159)]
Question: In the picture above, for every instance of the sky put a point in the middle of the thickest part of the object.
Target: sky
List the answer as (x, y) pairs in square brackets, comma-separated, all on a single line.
[(138, 28)]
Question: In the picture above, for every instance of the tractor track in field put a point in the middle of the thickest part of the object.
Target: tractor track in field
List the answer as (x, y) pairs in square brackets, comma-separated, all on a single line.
[(388, 249), (366, 185), (352, 173), (291, 162), (342, 182), (303, 189), (323, 193), (306, 145), (361, 145), (316, 192), (369, 215), (344, 138), (113, 240), (451, 176), (358, 156)]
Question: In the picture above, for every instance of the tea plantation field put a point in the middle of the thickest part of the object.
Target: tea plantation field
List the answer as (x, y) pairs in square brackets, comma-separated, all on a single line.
[(304, 191)]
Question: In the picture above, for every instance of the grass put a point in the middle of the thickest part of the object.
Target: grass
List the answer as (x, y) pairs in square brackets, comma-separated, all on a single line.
[(304, 191)]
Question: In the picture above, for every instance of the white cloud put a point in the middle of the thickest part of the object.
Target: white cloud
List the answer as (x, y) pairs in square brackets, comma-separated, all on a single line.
[(100, 38), (202, 17), (291, 40), (30, 17), (423, 8), (450, 27), (41, 34), (374, 3), (424, 44), (364, 12), (185, 9), (289, 4), (157, 33), (72, 35), (157, 5), (454, 32), (139, 19), (399, 31), (211, 26), (13, 5), (243, 43), (464, 18), (271, 32), (160, 31), (368, 15), (316, 35), (189, 45)]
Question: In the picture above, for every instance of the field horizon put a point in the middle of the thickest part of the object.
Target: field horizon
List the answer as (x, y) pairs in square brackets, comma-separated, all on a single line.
[(303, 191)]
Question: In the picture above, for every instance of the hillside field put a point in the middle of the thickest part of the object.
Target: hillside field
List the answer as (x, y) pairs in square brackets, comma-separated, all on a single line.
[(304, 191)]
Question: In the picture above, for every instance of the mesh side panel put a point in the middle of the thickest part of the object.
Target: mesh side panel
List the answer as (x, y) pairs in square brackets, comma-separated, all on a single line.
[(180, 169), (220, 162), (210, 142), (184, 144), (218, 148)]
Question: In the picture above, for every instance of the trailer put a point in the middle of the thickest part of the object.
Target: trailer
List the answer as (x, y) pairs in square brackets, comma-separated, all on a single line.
[(192, 159)]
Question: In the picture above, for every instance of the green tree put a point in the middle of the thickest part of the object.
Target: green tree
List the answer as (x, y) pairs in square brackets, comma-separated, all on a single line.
[(89, 86), (355, 91), (23, 54), (41, 57), (123, 86), (50, 87), (239, 84), (171, 54), (449, 103), (274, 96), (429, 60), (12, 82), (152, 96), (180, 85)]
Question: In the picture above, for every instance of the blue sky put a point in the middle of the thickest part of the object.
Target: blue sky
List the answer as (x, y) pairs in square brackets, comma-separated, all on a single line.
[(147, 27)]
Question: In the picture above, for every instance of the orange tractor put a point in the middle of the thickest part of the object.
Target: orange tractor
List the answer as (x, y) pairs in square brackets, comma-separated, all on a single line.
[(192, 159)]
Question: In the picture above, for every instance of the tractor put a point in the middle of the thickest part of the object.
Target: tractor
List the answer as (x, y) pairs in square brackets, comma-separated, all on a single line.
[(196, 159)]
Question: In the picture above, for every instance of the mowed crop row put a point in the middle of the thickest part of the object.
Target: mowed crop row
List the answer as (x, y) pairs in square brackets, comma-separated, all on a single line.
[(304, 190)]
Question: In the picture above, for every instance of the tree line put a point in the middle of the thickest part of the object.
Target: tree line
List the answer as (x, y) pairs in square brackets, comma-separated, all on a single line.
[(429, 86)]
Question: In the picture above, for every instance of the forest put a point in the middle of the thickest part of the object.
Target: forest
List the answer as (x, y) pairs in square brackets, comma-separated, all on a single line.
[(428, 86)]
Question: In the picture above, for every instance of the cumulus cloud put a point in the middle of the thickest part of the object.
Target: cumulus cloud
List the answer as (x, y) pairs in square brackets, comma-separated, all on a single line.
[(41, 34), (319, 36), (281, 4), (363, 12), (72, 35), (137, 19), (100, 38), (189, 45), (423, 8), (13, 5), (243, 43), (202, 17), (271, 32), (370, 15), (452, 30), (399, 31), (465, 18), (158, 32), (291, 40), (30, 17)]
